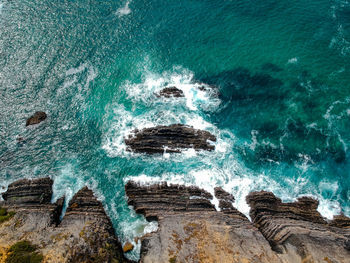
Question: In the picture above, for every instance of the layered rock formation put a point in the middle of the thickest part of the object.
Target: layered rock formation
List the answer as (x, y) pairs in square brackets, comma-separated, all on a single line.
[(297, 231), (171, 92), (85, 233), (36, 118), (191, 230), (190, 227), (172, 138)]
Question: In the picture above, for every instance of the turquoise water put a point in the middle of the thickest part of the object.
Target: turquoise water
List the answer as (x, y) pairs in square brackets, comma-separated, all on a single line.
[(282, 115)]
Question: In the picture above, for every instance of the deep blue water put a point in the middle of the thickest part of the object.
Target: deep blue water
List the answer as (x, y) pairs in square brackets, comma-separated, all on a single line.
[(282, 116)]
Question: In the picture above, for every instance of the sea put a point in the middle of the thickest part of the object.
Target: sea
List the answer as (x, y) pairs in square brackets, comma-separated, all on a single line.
[(277, 74)]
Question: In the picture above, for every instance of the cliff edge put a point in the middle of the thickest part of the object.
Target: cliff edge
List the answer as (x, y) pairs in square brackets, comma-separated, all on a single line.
[(85, 233)]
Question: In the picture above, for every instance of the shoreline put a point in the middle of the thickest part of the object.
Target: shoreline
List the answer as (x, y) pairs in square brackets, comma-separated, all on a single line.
[(190, 229)]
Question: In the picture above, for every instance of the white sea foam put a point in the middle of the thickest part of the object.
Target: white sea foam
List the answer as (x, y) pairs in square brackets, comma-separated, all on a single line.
[(240, 185), (125, 10), (340, 42), (292, 61), (196, 95), (66, 183), (124, 122)]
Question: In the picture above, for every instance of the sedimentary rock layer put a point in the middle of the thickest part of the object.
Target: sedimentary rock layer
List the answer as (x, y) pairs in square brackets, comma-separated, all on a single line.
[(172, 138), (297, 231), (191, 230), (170, 92), (85, 233)]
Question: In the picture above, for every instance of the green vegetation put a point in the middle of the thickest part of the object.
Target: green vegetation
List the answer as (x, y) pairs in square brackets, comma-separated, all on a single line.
[(172, 260), (4, 215), (24, 252)]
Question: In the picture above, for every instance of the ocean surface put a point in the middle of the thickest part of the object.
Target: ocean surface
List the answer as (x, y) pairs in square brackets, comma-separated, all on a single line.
[(280, 106)]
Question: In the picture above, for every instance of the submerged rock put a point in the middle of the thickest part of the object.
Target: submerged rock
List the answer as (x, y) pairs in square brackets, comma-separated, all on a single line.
[(38, 117), (191, 230), (297, 231), (271, 67), (170, 92), (85, 233), (172, 138)]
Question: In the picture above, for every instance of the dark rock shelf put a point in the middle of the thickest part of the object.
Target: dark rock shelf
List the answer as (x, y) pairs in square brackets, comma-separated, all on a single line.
[(173, 139)]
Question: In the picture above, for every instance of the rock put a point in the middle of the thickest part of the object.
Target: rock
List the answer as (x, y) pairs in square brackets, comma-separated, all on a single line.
[(172, 138), (153, 200), (128, 247), (171, 92), (191, 230), (297, 231), (85, 233), (26, 191), (38, 117), (225, 199)]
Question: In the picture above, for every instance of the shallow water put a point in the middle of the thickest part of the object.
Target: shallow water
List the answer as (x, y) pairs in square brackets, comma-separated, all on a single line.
[(282, 115)]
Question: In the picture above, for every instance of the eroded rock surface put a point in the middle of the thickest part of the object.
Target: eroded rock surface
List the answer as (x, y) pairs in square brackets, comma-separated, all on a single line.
[(297, 231), (171, 92), (172, 138), (85, 233), (36, 118), (191, 230)]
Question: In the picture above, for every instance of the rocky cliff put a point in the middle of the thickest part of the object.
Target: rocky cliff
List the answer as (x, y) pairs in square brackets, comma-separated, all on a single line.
[(190, 227), (191, 230), (85, 234), (297, 231)]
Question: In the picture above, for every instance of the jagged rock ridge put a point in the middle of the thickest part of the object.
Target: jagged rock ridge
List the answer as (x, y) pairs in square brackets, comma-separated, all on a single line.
[(191, 230), (85, 233), (297, 231)]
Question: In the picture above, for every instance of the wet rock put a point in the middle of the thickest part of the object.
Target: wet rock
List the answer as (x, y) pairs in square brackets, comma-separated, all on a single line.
[(170, 92), (172, 138), (128, 247), (153, 200), (225, 199), (38, 117), (85, 233), (191, 230), (297, 231), (20, 140)]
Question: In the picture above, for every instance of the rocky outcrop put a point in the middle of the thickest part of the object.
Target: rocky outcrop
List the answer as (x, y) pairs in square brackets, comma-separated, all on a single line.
[(38, 117), (191, 230), (171, 92), (172, 139), (297, 231), (29, 192), (85, 234)]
